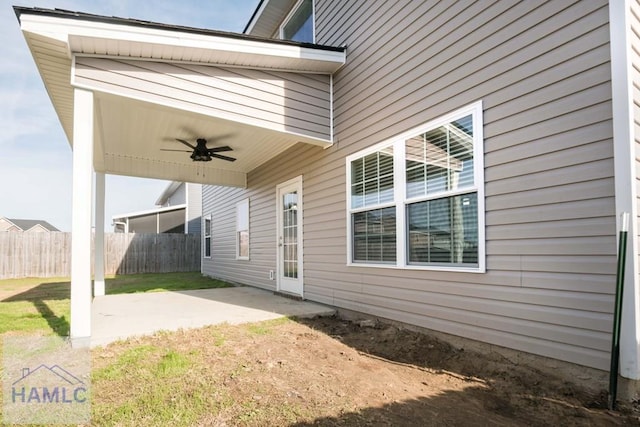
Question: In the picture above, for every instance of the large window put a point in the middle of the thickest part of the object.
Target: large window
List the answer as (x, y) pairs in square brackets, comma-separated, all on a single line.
[(242, 229), (298, 26), (207, 236), (417, 201)]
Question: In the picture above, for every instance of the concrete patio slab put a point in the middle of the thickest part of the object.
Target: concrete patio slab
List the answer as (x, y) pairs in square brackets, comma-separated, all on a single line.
[(121, 316)]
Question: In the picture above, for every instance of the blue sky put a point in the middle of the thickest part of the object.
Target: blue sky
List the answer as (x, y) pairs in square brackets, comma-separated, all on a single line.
[(35, 157)]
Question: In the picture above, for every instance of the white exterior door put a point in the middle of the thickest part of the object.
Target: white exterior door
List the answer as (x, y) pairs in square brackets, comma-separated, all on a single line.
[(289, 235)]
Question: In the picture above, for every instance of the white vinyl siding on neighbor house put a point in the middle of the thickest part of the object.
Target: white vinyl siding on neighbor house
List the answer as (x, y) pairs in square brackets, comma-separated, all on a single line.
[(417, 201), (542, 71), (178, 197)]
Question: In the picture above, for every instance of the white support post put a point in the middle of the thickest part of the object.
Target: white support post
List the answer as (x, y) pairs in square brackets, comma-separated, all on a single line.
[(186, 209), (80, 327), (625, 180), (98, 279)]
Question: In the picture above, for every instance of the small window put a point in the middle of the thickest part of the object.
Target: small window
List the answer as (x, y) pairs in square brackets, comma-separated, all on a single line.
[(417, 201), (242, 229), (298, 26), (207, 237)]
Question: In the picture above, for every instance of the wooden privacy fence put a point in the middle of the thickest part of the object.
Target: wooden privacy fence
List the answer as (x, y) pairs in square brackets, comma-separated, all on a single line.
[(49, 254)]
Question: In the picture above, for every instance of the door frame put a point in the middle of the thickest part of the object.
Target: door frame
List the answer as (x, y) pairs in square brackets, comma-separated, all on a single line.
[(297, 182)]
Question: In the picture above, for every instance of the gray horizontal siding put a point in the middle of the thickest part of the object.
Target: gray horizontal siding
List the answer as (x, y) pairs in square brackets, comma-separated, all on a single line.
[(290, 102), (542, 72), (219, 202)]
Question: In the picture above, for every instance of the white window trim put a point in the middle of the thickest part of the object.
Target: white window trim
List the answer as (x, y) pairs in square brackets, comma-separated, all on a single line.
[(204, 236), (239, 205), (400, 201), (292, 12)]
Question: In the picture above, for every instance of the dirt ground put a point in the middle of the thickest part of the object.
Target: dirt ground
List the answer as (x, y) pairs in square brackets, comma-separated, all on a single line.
[(332, 372), (408, 378)]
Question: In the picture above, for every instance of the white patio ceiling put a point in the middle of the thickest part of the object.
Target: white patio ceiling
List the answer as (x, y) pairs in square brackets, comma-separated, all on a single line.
[(132, 129)]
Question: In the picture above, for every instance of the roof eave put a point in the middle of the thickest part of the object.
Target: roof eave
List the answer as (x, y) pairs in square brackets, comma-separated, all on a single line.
[(82, 31)]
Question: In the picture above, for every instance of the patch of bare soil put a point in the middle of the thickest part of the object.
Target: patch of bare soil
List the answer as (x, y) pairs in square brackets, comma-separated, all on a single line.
[(401, 377), (331, 372)]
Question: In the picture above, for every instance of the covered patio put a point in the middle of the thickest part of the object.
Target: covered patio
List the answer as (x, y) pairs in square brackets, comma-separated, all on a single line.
[(126, 90)]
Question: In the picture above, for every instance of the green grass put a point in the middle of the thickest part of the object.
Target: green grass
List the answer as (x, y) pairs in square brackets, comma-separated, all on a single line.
[(151, 385), (171, 364), (159, 282), (40, 306), (34, 306), (267, 327), (39, 318), (124, 365)]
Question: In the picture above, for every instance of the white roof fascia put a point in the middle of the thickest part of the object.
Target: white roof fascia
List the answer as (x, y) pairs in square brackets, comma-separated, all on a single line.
[(71, 31)]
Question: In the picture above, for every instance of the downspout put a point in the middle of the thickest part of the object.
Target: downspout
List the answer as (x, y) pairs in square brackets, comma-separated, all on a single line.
[(331, 108)]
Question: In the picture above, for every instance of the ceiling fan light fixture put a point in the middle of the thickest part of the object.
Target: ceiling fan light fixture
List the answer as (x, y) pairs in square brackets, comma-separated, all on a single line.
[(199, 157), (202, 153)]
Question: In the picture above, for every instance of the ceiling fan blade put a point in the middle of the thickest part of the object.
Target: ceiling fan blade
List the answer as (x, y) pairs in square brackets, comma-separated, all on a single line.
[(220, 156), (220, 149), (186, 143), (181, 151)]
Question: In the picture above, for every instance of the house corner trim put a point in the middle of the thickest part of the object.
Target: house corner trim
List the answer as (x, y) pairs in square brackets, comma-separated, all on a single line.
[(625, 179)]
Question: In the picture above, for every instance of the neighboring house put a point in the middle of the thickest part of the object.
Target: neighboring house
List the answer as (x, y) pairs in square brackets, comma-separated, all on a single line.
[(179, 211), (26, 225), (459, 166)]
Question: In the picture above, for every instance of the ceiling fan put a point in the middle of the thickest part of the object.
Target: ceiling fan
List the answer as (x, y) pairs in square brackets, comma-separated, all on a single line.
[(201, 153)]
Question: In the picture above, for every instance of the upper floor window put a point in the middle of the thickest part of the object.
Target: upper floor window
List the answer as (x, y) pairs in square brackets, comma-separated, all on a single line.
[(298, 26), (417, 201)]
